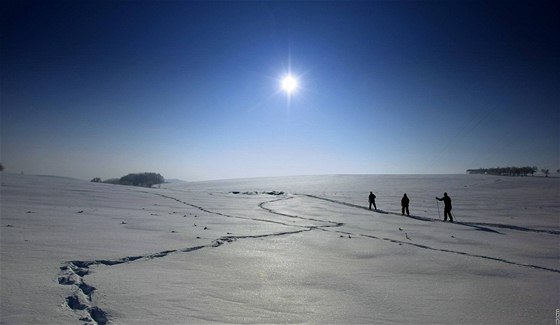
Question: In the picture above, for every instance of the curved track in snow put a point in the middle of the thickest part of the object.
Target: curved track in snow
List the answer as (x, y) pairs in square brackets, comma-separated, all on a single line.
[(72, 273)]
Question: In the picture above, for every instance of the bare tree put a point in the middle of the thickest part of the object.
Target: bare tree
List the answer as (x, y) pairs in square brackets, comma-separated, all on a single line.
[(545, 172)]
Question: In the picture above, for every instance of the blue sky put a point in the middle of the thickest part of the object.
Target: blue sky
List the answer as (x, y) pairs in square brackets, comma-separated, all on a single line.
[(191, 89)]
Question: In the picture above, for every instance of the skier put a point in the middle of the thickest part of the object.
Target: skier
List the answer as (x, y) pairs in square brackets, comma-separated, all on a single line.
[(372, 200), (447, 207), (404, 205)]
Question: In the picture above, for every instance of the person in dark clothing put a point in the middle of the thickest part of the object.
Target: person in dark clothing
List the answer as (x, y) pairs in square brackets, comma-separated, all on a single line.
[(372, 200), (404, 205), (447, 207)]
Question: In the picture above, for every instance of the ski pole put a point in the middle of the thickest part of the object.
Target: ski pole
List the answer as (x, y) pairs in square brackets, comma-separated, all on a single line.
[(438, 213)]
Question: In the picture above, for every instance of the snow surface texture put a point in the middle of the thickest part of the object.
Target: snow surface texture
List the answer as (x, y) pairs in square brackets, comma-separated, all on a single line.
[(280, 250)]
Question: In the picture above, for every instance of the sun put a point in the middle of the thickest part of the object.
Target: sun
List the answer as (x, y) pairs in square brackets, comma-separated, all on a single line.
[(289, 84)]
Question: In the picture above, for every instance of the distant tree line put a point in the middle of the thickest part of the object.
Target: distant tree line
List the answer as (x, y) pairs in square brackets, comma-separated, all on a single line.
[(135, 179), (507, 171)]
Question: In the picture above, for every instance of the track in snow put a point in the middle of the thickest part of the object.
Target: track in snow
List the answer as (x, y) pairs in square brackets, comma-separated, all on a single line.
[(72, 273)]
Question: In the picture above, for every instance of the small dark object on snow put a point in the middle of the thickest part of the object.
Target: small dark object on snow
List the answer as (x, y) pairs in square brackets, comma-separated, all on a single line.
[(81, 211), (123, 223), (205, 228)]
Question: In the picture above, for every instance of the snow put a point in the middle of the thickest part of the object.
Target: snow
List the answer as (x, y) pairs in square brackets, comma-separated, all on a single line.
[(240, 251)]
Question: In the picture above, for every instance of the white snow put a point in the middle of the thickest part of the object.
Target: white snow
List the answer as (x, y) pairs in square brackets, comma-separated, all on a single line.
[(75, 252)]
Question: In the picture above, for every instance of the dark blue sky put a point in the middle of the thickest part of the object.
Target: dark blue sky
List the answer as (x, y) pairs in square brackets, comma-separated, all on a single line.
[(192, 89)]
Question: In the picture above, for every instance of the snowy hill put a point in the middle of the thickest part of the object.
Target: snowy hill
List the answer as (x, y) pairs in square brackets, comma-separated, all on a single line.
[(75, 252)]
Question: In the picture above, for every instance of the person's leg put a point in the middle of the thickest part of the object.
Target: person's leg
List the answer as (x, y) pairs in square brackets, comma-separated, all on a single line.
[(402, 211)]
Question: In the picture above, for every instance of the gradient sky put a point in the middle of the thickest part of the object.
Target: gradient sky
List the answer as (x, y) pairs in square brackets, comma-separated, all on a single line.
[(191, 89)]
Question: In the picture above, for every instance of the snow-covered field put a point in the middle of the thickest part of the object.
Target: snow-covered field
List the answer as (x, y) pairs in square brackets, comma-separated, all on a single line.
[(75, 252)]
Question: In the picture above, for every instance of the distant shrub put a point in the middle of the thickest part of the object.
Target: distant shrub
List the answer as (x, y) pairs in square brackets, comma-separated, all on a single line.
[(505, 171), (1, 167), (135, 179), (142, 179)]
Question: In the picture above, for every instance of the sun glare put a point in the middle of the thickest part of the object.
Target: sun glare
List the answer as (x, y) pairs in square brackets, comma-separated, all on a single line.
[(289, 84)]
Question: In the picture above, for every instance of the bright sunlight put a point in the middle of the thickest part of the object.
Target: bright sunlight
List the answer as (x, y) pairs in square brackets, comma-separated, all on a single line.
[(289, 84)]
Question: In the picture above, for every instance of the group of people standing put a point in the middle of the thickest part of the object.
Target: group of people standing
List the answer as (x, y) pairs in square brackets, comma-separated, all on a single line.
[(405, 201)]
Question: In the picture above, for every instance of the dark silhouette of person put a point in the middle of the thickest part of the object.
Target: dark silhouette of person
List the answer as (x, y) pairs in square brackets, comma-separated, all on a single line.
[(404, 205), (447, 207), (372, 200)]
